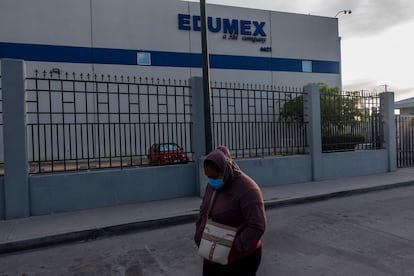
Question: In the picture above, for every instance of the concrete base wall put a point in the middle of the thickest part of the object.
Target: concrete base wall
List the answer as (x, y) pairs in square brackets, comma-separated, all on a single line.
[(355, 163), (74, 191), (82, 190), (280, 170)]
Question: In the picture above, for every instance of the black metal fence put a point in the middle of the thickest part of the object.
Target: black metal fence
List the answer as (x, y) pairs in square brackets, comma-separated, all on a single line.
[(350, 121), (249, 120), (87, 122), (405, 140), (83, 122)]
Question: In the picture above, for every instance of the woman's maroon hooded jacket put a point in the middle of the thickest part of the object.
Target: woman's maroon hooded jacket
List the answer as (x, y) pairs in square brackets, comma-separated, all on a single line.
[(238, 203)]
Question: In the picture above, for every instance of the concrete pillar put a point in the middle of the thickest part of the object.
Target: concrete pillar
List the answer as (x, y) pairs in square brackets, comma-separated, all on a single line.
[(198, 137), (16, 181), (312, 113), (389, 131)]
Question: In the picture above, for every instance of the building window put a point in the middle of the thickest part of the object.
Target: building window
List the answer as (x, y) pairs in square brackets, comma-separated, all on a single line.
[(307, 66), (143, 58)]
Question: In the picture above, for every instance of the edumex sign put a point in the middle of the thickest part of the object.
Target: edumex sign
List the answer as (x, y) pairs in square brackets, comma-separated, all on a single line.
[(230, 28)]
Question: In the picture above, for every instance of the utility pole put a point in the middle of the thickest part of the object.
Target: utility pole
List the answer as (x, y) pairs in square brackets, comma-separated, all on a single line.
[(206, 77)]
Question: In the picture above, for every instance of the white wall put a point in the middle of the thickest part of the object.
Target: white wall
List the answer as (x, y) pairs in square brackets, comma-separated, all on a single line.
[(152, 25)]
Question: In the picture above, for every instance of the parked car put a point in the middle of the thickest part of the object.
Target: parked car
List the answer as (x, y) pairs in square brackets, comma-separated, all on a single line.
[(166, 153)]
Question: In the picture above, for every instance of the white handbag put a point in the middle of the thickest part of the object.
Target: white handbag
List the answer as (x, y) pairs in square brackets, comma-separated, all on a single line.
[(217, 239)]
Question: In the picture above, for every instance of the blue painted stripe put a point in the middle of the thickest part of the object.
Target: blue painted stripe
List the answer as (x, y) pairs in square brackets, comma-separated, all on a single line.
[(71, 54)]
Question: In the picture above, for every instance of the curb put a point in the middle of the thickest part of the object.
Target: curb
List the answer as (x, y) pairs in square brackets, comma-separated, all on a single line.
[(314, 198), (114, 230), (93, 234)]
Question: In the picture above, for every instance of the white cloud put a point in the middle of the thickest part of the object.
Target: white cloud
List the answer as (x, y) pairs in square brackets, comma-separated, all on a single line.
[(377, 47), (383, 59)]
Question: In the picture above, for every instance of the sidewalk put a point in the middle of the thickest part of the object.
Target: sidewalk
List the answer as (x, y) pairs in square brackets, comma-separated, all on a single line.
[(38, 231)]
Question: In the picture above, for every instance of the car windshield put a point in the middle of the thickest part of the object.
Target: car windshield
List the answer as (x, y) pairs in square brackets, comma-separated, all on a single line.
[(169, 147)]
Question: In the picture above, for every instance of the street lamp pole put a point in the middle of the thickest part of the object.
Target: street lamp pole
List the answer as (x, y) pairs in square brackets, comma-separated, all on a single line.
[(344, 12), (206, 77), (339, 45)]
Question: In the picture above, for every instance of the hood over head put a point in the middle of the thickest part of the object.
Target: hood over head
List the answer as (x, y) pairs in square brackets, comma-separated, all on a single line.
[(222, 158)]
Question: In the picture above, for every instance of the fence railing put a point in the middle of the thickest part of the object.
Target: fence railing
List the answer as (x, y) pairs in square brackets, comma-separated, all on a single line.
[(77, 122), (83, 122), (248, 119), (405, 140), (350, 121)]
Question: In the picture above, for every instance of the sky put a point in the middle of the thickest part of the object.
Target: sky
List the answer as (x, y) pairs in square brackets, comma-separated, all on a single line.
[(377, 39)]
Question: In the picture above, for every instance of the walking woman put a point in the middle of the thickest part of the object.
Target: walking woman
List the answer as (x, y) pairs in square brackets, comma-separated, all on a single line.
[(238, 202)]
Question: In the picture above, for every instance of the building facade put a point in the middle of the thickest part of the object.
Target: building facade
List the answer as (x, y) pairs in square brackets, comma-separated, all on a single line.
[(162, 39)]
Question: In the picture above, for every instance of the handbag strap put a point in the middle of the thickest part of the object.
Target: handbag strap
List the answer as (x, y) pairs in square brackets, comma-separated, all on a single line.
[(213, 197)]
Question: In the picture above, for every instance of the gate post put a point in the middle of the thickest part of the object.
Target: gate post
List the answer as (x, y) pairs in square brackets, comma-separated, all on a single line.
[(389, 130), (312, 110), (198, 135), (16, 179)]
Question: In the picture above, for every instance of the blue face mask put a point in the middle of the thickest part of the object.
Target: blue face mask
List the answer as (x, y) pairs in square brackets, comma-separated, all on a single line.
[(216, 183)]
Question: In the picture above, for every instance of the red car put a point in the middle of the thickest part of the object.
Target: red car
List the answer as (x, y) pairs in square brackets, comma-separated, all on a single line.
[(166, 153)]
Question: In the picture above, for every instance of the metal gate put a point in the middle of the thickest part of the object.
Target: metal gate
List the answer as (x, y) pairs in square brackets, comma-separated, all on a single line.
[(405, 140)]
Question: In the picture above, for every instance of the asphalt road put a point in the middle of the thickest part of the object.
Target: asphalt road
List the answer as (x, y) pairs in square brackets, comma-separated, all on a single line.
[(369, 234)]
